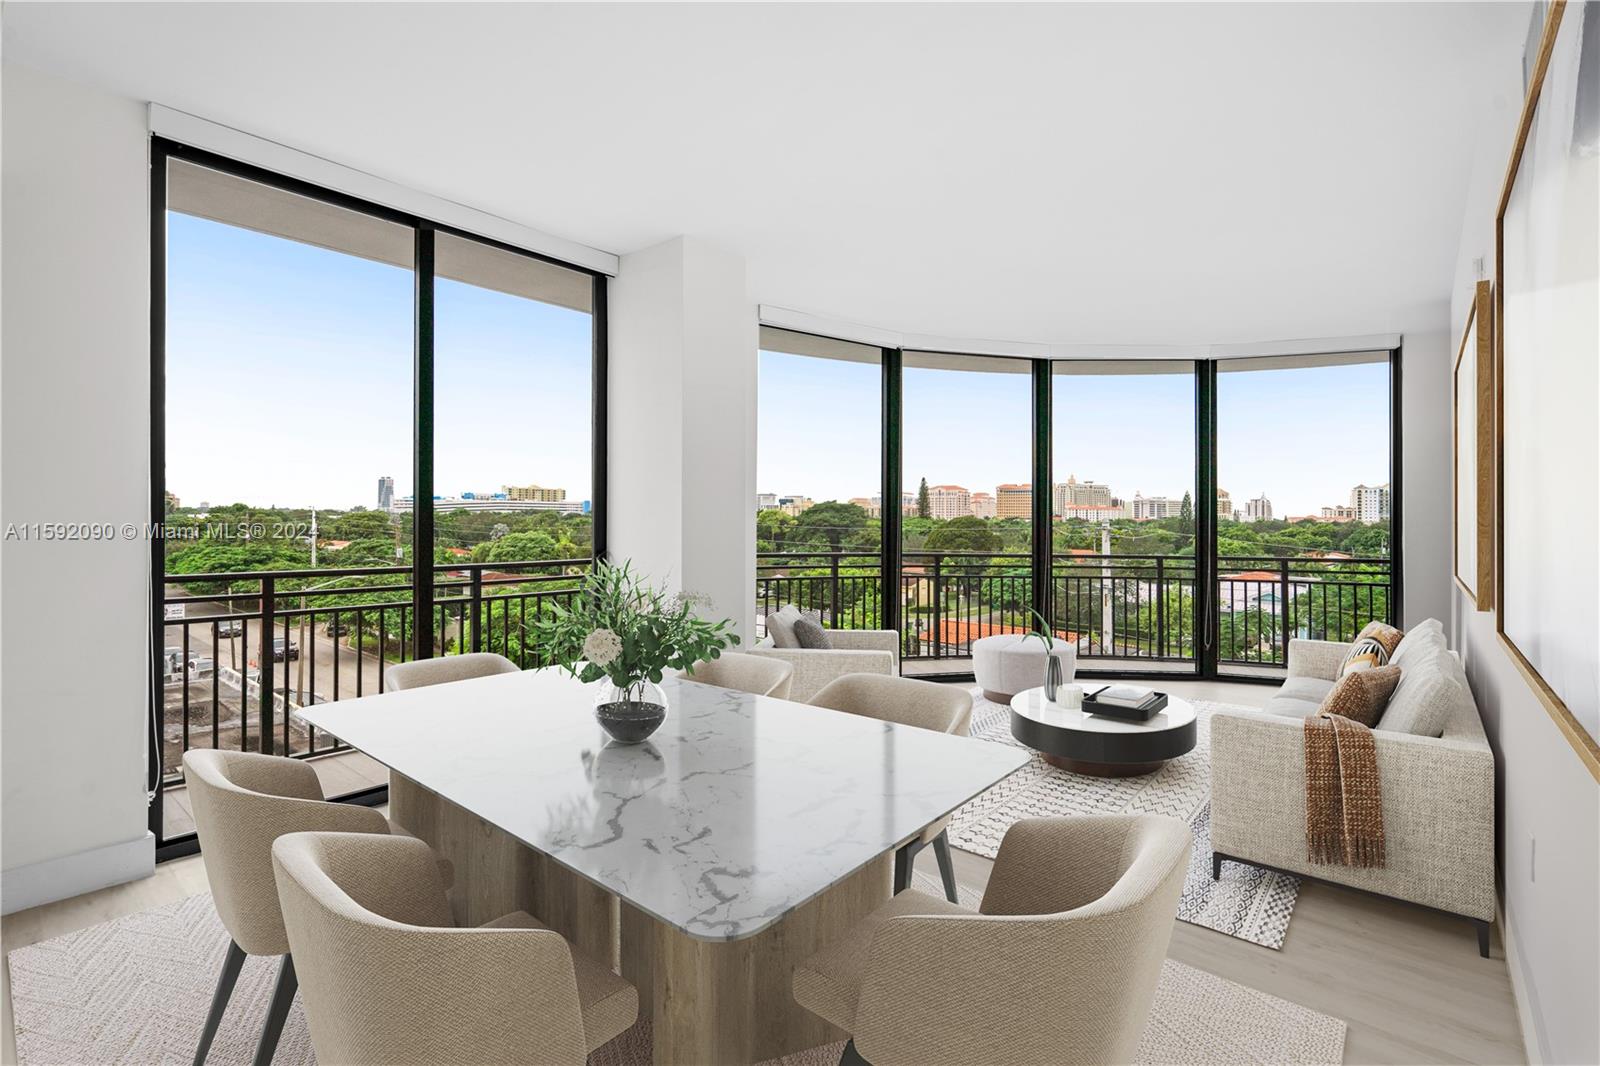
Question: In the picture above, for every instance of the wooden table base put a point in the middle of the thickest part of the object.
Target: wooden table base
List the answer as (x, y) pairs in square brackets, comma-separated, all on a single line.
[(710, 1002), (719, 1002), (496, 874)]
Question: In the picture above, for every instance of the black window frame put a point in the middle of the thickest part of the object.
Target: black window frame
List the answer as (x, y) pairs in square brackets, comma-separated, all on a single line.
[(161, 151)]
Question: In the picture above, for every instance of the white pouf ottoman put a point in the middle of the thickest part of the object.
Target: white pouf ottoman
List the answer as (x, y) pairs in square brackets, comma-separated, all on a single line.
[(1014, 662)]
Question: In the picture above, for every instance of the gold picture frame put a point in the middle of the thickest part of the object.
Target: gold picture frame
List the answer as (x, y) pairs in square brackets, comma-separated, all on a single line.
[(1532, 366), (1472, 404)]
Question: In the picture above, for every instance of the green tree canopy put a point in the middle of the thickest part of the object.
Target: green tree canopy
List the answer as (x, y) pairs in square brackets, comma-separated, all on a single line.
[(832, 526)]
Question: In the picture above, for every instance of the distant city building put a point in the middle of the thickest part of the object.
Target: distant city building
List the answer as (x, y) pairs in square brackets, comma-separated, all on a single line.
[(873, 505), (949, 501), (908, 505), (1338, 513), (983, 505), (1148, 508), (1091, 512), (1013, 501), (172, 501), (1075, 493), (386, 494), (766, 501), (794, 506), (535, 492), (1370, 503), (404, 504), (1224, 504), (1258, 510)]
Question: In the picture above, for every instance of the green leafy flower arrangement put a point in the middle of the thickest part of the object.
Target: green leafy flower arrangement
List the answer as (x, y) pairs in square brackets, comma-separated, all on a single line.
[(622, 628)]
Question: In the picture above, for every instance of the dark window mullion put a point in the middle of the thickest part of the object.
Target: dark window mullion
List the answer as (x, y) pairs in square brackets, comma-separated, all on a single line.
[(422, 450)]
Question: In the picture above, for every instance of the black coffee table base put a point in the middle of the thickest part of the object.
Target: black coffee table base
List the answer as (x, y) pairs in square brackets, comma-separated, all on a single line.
[(1102, 769)]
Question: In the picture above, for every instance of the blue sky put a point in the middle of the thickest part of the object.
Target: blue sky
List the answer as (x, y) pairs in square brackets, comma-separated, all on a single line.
[(289, 377), (1304, 436)]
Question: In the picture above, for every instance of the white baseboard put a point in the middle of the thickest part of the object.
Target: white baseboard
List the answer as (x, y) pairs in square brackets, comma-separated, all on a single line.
[(1527, 1016), (73, 875)]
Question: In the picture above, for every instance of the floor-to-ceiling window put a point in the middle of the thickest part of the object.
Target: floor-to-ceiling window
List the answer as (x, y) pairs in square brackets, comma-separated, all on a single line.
[(967, 446), (1198, 514), (374, 441), (1304, 504), (1123, 501), (818, 506)]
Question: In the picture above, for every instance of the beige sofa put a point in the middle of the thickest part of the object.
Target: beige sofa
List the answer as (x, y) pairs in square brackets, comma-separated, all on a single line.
[(854, 651), (1438, 789)]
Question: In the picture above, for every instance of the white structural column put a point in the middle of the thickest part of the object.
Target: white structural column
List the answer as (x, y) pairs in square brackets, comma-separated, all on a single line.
[(682, 423)]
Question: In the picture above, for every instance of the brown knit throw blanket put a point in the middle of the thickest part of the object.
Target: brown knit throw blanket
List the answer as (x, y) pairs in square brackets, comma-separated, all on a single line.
[(1344, 805)]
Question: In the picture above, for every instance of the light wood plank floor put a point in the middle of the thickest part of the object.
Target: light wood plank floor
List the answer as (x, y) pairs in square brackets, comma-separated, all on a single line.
[(1409, 982)]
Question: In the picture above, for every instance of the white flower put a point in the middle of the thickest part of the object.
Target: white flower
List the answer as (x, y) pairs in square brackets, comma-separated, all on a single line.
[(687, 599), (601, 647)]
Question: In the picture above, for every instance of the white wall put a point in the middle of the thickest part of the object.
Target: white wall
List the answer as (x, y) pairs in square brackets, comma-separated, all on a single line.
[(682, 382), (1549, 803), (74, 446), (1425, 472)]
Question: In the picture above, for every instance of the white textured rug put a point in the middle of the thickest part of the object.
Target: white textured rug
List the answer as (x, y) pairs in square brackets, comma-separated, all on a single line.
[(135, 991), (1248, 902)]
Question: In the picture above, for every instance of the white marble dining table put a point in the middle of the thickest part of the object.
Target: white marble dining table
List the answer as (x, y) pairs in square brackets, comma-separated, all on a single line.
[(703, 863)]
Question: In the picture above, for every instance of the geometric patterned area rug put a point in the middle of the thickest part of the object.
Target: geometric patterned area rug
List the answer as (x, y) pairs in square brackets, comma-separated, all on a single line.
[(1247, 902), (135, 990)]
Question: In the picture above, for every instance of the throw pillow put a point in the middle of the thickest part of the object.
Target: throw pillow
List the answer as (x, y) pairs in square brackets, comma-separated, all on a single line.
[(780, 626), (1362, 695), (1426, 700), (1372, 648), (810, 634)]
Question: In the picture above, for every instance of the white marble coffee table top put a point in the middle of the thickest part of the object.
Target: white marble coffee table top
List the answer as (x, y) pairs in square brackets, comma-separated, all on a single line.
[(739, 809), (1032, 704)]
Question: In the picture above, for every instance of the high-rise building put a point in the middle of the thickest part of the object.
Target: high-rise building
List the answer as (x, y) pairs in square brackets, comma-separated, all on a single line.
[(1370, 503), (535, 492), (983, 505), (1147, 508), (1075, 493), (1338, 513), (1013, 501), (1224, 504), (873, 505), (949, 501), (385, 493), (1258, 509), (766, 501), (794, 505)]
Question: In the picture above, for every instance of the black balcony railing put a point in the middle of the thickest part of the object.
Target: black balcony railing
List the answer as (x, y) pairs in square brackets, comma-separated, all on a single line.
[(243, 651), (1121, 609)]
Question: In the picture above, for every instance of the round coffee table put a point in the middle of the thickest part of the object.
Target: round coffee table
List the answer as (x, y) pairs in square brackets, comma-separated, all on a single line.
[(1097, 745)]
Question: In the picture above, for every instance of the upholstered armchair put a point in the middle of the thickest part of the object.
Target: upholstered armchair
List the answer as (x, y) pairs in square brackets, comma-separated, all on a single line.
[(388, 979), (854, 651), (242, 802), (1059, 965), (419, 673), (904, 700), (762, 675)]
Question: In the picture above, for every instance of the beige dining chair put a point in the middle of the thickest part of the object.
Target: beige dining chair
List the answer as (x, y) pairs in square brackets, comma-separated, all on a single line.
[(242, 802), (420, 673), (745, 673), (907, 701), (387, 978), (1059, 964)]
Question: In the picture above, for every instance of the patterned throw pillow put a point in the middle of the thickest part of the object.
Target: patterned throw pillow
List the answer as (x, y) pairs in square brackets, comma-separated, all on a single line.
[(1362, 695), (809, 632), (1372, 648)]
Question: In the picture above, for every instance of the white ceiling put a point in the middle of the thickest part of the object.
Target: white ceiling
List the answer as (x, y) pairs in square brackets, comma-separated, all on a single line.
[(1068, 174)]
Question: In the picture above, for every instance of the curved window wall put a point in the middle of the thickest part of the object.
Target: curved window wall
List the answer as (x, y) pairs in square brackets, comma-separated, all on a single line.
[(1162, 516)]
